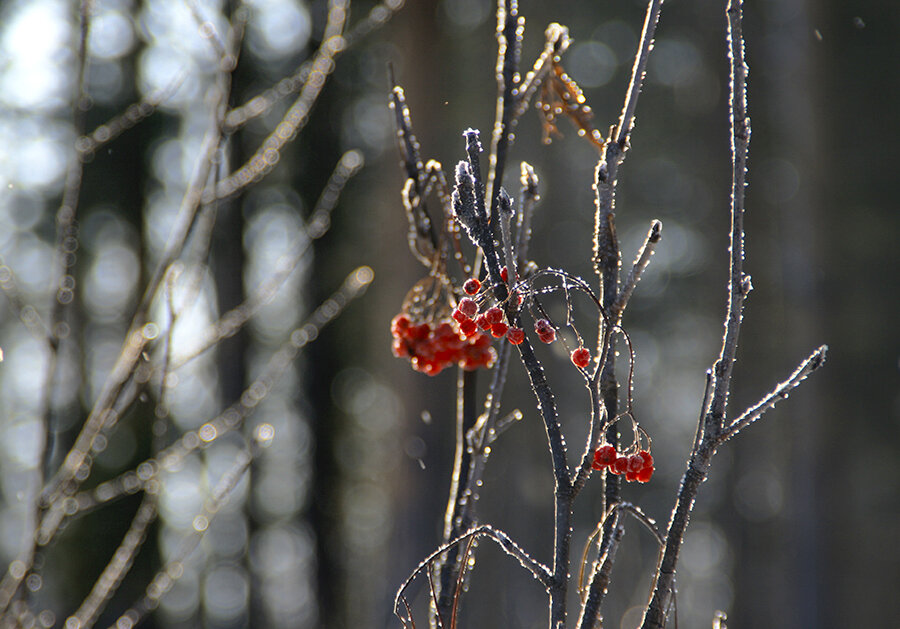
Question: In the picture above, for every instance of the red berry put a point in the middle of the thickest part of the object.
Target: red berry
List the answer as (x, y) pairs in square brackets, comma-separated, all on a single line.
[(604, 457), (498, 329), (630, 476), (504, 274), (515, 335), (399, 324), (494, 315), (581, 357), (635, 463), (620, 465), (399, 348), (647, 457), (645, 474), (459, 315), (483, 322), (468, 327), (468, 307), (472, 286), (548, 337), (542, 326)]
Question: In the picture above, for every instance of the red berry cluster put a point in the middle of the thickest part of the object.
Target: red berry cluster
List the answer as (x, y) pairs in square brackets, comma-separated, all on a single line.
[(491, 320), (637, 467), (432, 346)]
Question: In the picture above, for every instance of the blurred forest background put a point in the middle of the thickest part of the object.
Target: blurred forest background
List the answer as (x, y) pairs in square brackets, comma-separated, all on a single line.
[(799, 523)]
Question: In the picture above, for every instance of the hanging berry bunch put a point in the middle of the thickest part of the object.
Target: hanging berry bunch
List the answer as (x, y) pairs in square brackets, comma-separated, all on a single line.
[(433, 339), (637, 466), (435, 327)]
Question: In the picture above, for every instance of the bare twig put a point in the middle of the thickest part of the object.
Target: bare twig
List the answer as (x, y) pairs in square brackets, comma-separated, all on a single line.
[(316, 226), (539, 571), (166, 577), (510, 28), (637, 269), (714, 429), (738, 284), (297, 115), (606, 254), (263, 103), (781, 392)]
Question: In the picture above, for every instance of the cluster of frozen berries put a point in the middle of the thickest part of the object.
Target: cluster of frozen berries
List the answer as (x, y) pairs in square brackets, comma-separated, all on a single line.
[(637, 467), (432, 346), (472, 322)]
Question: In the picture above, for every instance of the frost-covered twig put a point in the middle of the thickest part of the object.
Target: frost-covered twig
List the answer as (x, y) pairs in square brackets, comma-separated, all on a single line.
[(781, 392), (714, 429)]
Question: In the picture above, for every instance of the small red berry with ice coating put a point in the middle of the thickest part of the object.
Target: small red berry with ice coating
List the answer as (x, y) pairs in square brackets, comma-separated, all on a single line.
[(499, 329), (459, 316), (494, 315), (647, 457), (515, 335), (482, 322), (635, 463), (542, 325), (545, 331), (468, 307), (399, 324), (468, 327), (504, 274), (472, 286), (645, 474), (604, 457), (620, 465), (581, 357)]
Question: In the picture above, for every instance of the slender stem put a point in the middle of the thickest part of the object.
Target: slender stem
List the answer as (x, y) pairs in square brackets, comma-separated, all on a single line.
[(538, 570), (448, 566), (712, 429), (812, 362), (738, 285), (600, 575), (509, 47), (626, 120), (664, 585), (637, 269)]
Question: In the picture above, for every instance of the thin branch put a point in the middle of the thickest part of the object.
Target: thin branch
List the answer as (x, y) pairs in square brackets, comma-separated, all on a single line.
[(556, 42), (781, 392), (602, 571), (638, 71), (528, 198), (711, 433), (738, 284), (637, 269), (297, 115), (510, 29), (317, 226), (600, 576), (263, 103), (100, 416), (539, 571), (459, 582), (230, 419), (166, 577)]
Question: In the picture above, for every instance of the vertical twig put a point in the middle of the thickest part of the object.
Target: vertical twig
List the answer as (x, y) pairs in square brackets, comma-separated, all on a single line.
[(509, 47), (738, 287), (606, 255)]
